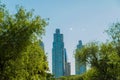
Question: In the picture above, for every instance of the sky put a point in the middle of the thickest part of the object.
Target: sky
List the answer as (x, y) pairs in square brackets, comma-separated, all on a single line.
[(84, 20)]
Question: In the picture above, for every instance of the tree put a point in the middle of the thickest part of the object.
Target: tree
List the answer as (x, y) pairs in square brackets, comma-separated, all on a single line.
[(50, 76), (21, 57), (105, 57), (114, 33), (88, 53), (99, 57)]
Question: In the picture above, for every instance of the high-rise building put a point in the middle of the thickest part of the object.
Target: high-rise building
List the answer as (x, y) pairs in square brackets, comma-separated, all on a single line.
[(59, 56), (79, 67)]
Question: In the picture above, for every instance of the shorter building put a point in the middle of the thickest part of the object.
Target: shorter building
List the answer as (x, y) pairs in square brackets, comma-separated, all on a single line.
[(67, 69), (79, 67)]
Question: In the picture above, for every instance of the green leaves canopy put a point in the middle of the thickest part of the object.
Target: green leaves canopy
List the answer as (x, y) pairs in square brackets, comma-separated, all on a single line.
[(100, 57), (21, 57)]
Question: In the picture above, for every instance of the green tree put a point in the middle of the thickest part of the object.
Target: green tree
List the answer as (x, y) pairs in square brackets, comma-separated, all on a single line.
[(50, 76), (114, 33), (21, 57), (99, 57), (88, 53)]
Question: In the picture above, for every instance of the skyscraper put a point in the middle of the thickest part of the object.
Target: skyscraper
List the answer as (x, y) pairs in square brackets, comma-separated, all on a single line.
[(79, 67), (59, 57)]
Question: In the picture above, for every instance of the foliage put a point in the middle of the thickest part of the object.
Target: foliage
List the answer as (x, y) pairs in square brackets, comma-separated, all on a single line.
[(72, 77), (89, 75), (114, 33), (99, 56), (104, 57), (88, 53), (50, 76), (21, 57)]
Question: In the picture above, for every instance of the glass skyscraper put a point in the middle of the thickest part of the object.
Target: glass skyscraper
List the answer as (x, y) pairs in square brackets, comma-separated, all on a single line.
[(79, 67), (59, 56)]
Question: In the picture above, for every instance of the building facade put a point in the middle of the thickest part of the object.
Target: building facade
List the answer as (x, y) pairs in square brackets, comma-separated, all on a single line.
[(59, 56), (79, 67), (67, 69), (67, 66)]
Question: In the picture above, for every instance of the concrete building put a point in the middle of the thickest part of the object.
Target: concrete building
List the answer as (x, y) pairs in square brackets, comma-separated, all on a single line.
[(79, 67)]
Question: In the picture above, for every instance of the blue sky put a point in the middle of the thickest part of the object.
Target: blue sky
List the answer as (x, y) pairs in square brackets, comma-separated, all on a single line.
[(83, 20)]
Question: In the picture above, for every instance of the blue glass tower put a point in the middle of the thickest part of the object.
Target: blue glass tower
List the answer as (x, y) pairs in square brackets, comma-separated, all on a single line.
[(79, 67), (58, 55)]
